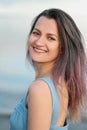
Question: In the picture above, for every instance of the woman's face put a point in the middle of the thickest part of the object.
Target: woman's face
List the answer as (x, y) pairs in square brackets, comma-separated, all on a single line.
[(44, 41)]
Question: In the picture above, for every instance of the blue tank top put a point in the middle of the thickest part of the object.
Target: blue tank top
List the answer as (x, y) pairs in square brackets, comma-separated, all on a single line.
[(19, 117)]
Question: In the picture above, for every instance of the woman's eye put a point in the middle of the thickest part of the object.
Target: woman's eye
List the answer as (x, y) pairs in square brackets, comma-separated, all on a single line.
[(35, 33), (51, 38)]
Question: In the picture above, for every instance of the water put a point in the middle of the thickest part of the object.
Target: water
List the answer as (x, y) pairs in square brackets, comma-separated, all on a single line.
[(8, 101)]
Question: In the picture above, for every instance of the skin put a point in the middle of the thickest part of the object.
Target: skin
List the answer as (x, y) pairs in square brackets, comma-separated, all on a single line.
[(43, 42)]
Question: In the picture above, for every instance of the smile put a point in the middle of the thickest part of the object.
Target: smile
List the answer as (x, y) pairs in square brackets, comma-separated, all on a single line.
[(39, 50)]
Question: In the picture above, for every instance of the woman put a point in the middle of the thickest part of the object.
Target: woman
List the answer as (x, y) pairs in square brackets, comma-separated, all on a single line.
[(56, 51)]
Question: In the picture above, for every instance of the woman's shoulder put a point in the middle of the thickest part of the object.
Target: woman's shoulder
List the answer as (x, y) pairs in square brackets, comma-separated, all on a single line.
[(39, 102), (39, 88), (38, 84)]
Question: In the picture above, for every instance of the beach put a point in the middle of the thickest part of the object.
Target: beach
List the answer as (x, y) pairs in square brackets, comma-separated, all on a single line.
[(4, 122)]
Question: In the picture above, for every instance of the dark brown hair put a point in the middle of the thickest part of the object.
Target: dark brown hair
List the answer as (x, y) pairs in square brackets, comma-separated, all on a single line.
[(71, 61)]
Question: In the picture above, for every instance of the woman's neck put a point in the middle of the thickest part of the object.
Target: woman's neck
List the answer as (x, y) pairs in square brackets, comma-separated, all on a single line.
[(43, 70)]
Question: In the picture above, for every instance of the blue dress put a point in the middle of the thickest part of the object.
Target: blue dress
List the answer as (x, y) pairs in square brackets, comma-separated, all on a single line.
[(19, 117)]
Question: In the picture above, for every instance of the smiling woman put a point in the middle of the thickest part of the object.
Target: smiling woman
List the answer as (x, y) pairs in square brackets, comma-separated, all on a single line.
[(55, 48), (44, 41)]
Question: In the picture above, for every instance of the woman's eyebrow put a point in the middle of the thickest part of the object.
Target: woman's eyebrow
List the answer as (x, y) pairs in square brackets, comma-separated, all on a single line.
[(36, 29), (52, 34)]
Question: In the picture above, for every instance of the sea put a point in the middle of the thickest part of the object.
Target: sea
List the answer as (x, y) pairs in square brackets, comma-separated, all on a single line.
[(9, 99)]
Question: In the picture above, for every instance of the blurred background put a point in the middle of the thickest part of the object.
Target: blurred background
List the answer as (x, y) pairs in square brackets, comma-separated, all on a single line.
[(15, 72)]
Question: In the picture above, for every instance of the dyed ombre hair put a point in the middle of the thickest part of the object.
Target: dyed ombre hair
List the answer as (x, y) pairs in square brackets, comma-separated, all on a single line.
[(71, 62)]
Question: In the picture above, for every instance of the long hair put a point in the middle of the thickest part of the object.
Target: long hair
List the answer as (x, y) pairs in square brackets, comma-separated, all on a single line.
[(71, 61)]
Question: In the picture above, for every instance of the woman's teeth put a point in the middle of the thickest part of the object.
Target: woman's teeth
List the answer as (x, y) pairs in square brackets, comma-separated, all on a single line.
[(39, 50)]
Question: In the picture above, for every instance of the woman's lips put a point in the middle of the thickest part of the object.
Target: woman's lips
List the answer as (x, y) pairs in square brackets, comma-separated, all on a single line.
[(39, 50)]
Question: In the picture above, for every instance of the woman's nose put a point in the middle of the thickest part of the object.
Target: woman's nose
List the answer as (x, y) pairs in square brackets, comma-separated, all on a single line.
[(41, 41)]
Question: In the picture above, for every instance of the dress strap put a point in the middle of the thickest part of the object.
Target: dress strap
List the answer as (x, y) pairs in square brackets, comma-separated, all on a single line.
[(55, 99)]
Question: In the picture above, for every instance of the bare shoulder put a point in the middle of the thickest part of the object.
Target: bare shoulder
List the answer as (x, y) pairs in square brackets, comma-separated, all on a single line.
[(40, 88), (40, 106), (39, 95)]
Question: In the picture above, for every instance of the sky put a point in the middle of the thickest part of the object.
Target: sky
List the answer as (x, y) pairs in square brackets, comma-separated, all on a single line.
[(15, 21)]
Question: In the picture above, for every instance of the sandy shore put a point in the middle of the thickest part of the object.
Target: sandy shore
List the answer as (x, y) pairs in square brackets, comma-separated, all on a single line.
[(4, 122)]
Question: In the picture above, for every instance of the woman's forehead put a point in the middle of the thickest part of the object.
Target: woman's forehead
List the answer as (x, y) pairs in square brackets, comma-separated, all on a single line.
[(48, 24)]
